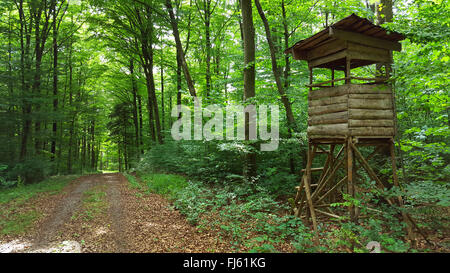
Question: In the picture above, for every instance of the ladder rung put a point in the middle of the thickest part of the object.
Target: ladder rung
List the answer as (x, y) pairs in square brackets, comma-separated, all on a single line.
[(313, 169), (312, 185)]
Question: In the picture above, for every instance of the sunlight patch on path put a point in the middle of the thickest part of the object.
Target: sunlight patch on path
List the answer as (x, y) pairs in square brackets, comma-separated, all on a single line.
[(18, 246), (13, 246)]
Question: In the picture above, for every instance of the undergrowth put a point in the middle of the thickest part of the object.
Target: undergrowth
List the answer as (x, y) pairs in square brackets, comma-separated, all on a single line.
[(15, 217), (254, 216)]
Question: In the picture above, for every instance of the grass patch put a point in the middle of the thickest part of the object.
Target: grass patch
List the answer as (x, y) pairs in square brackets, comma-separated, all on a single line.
[(20, 194), (18, 223), (165, 184), (134, 183), (16, 218), (94, 203)]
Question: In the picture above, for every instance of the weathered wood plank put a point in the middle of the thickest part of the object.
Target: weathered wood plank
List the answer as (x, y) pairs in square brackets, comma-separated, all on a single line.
[(372, 131), (358, 55), (366, 48), (369, 89), (366, 114), (326, 49), (353, 89), (377, 53), (370, 96), (328, 101), (371, 123), (328, 92), (328, 58), (370, 104), (331, 118), (364, 39), (329, 129), (333, 108)]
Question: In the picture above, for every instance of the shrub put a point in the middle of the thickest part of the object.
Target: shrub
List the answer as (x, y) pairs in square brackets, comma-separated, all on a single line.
[(165, 184), (31, 170)]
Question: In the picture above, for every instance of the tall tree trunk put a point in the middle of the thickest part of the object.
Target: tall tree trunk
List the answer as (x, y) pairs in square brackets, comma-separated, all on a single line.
[(151, 121), (141, 124), (292, 126), (92, 145), (40, 39), (384, 15), (162, 89), (287, 68), (148, 61), (276, 69), (25, 38), (286, 85), (11, 128), (206, 17), (135, 110), (72, 114), (120, 157), (179, 47), (208, 47), (55, 85), (83, 150), (249, 77), (178, 83)]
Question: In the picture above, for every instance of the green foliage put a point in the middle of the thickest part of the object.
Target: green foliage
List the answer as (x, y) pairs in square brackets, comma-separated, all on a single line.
[(51, 185), (205, 161), (94, 202), (14, 221), (165, 184), (239, 213), (103, 111), (18, 223), (31, 170), (133, 181)]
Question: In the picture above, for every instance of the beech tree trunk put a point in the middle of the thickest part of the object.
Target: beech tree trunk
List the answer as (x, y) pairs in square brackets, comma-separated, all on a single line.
[(248, 32), (176, 35)]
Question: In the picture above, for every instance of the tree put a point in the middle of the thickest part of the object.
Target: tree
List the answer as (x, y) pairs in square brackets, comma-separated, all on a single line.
[(180, 52), (248, 32)]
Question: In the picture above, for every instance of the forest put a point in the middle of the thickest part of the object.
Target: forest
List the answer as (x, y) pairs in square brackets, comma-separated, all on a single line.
[(91, 91)]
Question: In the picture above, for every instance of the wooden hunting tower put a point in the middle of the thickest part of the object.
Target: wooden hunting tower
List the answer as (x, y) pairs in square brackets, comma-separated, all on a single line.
[(345, 113)]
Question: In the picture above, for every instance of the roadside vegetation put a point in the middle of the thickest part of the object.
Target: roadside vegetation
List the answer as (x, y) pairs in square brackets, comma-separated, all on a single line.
[(18, 204), (93, 203), (256, 217)]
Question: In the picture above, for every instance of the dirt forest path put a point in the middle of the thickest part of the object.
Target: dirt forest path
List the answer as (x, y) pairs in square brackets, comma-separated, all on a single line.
[(101, 213)]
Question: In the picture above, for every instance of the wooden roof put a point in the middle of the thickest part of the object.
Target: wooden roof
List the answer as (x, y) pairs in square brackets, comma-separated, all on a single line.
[(354, 24)]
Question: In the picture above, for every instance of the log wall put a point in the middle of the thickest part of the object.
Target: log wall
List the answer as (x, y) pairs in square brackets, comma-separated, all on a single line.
[(351, 110)]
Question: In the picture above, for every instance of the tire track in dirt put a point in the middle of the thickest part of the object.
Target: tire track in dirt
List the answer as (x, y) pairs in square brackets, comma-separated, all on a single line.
[(130, 220), (113, 182), (49, 229)]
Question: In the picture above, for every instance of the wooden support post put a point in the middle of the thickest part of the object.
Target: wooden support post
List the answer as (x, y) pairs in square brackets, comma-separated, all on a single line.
[(327, 162), (328, 179), (350, 176), (298, 197), (347, 70), (308, 192), (302, 199), (310, 78), (332, 77), (331, 166), (409, 225), (368, 169), (333, 188)]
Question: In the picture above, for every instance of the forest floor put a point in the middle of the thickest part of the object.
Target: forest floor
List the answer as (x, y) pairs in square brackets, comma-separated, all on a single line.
[(107, 213), (101, 213)]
